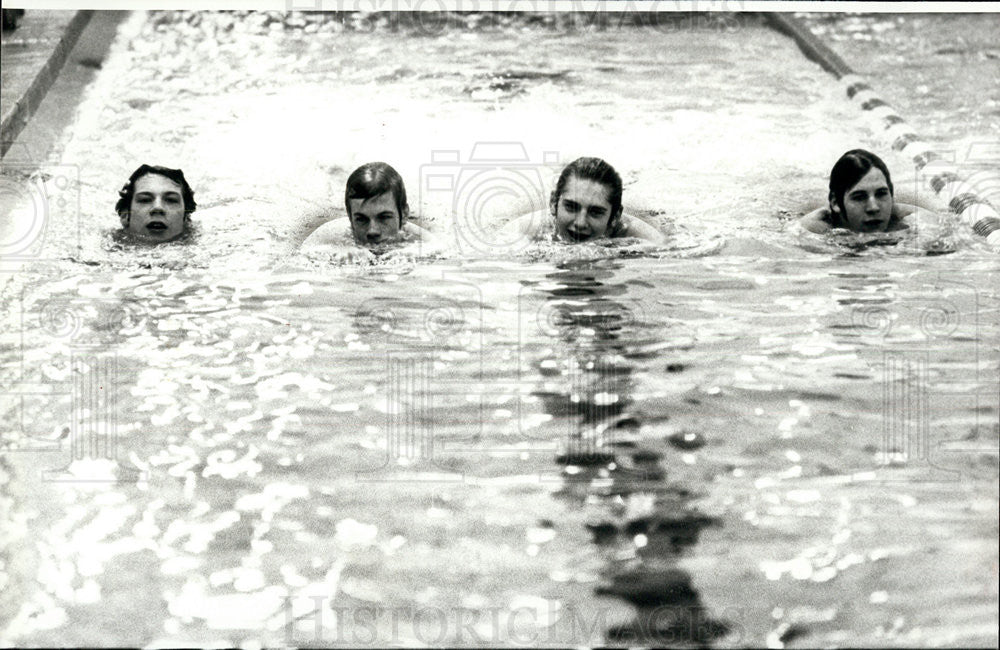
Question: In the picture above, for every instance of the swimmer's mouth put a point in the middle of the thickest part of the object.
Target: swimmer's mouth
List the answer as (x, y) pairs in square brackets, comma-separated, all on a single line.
[(872, 224), (577, 236), (156, 226)]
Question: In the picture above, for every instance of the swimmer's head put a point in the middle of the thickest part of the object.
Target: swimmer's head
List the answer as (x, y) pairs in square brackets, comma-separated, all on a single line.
[(375, 199), (861, 192), (587, 200), (155, 204)]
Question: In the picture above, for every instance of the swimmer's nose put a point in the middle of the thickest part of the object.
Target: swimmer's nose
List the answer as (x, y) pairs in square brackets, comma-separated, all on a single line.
[(373, 237), (872, 206), (157, 207)]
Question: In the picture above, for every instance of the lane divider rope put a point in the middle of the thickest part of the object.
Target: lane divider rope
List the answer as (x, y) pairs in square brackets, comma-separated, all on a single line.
[(944, 177)]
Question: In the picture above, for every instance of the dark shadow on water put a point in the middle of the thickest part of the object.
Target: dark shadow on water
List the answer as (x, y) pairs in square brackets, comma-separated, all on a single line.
[(606, 464)]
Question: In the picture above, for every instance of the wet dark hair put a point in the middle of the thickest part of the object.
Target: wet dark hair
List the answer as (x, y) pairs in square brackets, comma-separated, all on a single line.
[(374, 179), (125, 194), (850, 169), (598, 171)]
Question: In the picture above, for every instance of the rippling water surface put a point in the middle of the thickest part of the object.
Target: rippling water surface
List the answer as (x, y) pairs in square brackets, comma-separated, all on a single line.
[(745, 438)]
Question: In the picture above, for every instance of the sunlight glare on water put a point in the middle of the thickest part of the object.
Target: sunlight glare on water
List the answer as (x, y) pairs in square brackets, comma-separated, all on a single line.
[(746, 438)]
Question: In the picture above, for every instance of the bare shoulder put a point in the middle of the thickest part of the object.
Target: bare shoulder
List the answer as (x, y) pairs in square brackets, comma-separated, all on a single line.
[(413, 232), (900, 210), (429, 242), (635, 227), (916, 215), (331, 233), (920, 217), (531, 224), (816, 221)]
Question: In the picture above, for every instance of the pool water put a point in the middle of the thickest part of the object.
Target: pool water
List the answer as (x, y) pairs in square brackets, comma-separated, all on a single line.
[(748, 437)]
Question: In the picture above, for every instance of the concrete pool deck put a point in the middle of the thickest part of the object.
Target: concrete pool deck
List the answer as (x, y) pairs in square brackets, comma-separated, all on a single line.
[(49, 62), (33, 55), (773, 365)]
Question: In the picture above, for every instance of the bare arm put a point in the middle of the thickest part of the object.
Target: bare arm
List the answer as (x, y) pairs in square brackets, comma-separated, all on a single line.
[(900, 210), (528, 224), (335, 233), (641, 230), (418, 240), (413, 232), (815, 221), (929, 222)]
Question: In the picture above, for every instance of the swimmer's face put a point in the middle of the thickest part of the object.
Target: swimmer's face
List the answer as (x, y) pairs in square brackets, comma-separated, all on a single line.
[(156, 213), (375, 220), (868, 205), (583, 211)]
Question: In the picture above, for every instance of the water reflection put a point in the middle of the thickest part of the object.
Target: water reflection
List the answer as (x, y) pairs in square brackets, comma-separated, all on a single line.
[(640, 521), (919, 335)]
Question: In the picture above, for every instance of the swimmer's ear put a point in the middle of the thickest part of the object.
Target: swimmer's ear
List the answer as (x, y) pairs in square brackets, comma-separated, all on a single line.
[(404, 216), (125, 218), (553, 201), (832, 201)]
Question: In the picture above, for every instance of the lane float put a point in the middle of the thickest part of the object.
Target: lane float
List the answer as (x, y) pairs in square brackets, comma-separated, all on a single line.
[(944, 177)]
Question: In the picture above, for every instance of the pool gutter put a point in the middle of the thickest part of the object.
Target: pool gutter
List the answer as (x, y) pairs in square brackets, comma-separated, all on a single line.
[(16, 116), (942, 176)]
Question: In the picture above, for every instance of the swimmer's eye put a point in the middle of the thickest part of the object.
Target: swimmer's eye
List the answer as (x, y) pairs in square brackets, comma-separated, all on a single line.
[(882, 193), (148, 198), (571, 206), (597, 213), (386, 216), (360, 218), (858, 196)]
